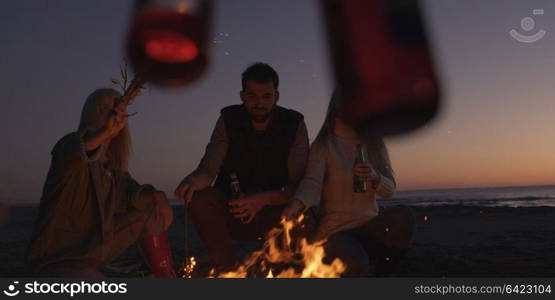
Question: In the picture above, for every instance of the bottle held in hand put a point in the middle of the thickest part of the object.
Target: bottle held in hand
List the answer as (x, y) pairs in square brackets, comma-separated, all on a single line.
[(359, 184), (235, 187), (236, 193)]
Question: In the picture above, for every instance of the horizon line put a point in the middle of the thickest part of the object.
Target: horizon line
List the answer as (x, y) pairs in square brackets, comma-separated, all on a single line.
[(482, 187), (407, 190)]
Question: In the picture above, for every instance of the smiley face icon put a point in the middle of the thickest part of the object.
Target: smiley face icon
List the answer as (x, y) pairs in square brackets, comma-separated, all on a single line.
[(11, 292), (528, 24)]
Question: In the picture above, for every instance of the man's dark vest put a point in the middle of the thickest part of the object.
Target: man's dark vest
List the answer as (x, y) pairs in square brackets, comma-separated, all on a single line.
[(258, 158)]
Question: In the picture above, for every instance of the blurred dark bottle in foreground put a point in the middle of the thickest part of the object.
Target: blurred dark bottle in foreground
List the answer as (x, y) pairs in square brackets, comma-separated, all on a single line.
[(382, 62), (168, 42)]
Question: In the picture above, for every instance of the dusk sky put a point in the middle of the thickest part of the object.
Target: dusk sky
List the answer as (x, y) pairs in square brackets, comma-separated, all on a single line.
[(495, 127)]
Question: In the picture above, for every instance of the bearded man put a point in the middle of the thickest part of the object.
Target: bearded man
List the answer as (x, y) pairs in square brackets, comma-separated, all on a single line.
[(261, 145)]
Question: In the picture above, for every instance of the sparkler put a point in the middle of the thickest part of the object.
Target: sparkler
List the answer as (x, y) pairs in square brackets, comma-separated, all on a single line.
[(188, 263)]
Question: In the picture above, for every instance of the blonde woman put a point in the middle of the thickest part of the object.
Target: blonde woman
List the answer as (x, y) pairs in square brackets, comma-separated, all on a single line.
[(356, 230), (91, 209)]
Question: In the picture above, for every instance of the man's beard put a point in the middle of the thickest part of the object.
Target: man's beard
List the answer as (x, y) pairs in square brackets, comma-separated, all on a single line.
[(261, 118)]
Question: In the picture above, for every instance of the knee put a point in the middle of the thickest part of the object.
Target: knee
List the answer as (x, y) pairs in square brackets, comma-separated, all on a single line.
[(205, 202), (155, 224), (159, 215)]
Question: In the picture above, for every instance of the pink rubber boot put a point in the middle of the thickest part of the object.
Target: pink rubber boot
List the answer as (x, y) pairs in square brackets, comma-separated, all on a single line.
[(158, 254)]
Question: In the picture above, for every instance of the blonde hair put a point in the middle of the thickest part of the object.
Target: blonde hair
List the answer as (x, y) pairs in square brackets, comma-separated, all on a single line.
[(378, 155), (119, 147)]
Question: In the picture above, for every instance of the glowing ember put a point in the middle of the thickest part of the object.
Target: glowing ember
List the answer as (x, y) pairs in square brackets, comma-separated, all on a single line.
[(170, 47), (189, 267), (304, 261)]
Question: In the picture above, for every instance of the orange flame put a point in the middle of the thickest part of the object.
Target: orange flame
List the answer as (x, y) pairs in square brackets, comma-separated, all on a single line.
[(308, 255)]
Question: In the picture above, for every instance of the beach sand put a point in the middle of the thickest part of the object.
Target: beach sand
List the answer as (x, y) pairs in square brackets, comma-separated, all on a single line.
[(450, 241)]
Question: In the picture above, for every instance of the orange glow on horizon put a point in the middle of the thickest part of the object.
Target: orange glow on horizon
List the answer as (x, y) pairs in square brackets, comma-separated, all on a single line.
[(487, 155)]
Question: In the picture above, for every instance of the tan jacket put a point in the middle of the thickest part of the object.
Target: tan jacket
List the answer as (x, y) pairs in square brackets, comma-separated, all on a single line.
[(83, 204)]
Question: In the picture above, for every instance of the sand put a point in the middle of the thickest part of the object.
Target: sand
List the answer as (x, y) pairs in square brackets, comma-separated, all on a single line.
[(454, 241)]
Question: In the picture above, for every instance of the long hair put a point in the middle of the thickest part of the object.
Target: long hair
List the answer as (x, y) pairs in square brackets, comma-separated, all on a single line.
[(378, 155), (119, 147)]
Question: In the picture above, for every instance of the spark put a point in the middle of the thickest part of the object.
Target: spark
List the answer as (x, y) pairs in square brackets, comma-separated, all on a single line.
[(189, 267)]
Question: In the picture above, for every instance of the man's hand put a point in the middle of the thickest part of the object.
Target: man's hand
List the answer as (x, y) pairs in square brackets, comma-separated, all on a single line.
[(365, 171), (184, 192), (246, 208), (293, 210)]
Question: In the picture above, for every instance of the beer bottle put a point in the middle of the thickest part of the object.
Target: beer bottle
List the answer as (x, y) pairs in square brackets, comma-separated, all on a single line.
[(236, 190), (359, 184), (235, 187), (168, 42), (382, 61)]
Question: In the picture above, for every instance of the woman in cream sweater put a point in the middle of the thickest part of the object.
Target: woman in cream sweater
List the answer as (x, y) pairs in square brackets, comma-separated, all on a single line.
[(357, 231)]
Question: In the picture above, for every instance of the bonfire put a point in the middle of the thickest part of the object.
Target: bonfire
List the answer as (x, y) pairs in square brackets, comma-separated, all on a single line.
[(282, 257)]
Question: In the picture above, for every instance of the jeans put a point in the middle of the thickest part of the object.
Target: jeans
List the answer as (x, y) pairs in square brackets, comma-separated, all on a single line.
[(385, 239)]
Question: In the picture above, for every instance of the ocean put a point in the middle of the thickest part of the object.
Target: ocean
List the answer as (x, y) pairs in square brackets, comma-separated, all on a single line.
[(525, 196), (528, 196)]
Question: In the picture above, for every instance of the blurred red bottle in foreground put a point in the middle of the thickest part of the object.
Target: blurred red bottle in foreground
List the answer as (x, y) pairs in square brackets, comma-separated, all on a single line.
[(168, 40), (382, 62)]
